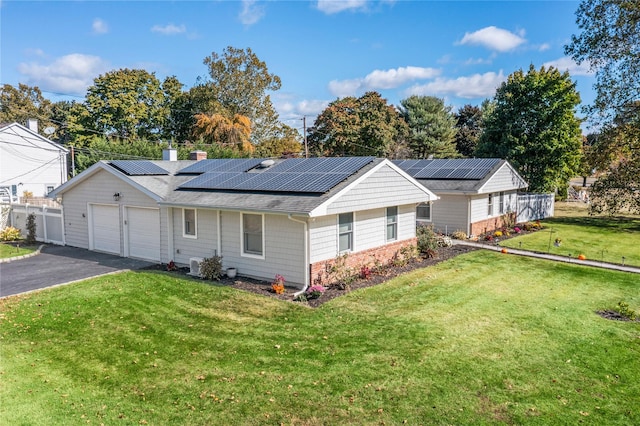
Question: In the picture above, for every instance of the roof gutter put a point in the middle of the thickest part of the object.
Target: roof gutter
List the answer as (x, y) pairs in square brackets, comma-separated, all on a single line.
[(306, 254)]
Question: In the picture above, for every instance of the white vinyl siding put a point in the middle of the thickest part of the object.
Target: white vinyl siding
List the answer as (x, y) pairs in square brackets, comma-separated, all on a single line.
[(450, 213), (204, 246), (381, 189), (284, 254), (505, 179)]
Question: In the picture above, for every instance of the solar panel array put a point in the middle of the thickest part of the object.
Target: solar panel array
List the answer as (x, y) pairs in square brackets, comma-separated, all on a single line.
[(300, 175), (221, 165), (138, 167), (452, 169)]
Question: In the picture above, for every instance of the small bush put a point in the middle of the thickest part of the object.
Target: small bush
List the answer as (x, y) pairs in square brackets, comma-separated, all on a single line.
[(497, 234), (31, 229), (315, 291), (365, 272), (278, 284), (427, 238), (624, 310), (459, 235), (10, 234), (444, 241), (211, 268)]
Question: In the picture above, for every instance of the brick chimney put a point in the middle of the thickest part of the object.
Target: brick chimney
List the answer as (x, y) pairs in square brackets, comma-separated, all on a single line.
[(198, 155)]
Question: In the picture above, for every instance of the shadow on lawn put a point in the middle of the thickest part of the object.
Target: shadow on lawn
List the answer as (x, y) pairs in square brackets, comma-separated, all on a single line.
[(616, 223)]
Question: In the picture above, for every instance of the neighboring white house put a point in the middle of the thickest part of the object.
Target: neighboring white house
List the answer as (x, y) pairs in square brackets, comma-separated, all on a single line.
[(291, 217), (29, 162), (476, 195)]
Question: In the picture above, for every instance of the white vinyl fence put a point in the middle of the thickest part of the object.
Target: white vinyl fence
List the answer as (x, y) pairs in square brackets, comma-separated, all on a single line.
[(49, 221), (535, 207)]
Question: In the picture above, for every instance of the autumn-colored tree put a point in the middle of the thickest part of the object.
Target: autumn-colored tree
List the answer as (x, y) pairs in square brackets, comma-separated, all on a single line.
[(25, 102), (218, 129)]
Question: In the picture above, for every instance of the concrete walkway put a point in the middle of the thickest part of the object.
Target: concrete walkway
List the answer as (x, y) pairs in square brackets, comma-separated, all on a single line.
[(548, 256)]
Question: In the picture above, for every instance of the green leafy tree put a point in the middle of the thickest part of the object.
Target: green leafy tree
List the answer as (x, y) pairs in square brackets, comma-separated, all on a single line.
[(18, 104), (432, 127), (356, 126), (469, 126), (533, 124), (610, 43), (129, 103), (238, 83)]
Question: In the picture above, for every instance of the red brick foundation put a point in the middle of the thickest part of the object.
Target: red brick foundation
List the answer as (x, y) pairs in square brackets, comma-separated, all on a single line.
[(320, 271), (490, 225)]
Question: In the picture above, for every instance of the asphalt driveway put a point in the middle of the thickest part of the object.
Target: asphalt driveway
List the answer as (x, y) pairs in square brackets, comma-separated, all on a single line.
[(57, 265)]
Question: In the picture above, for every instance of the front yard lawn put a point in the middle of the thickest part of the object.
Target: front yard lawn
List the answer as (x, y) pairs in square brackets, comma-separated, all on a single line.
[(484, 338), (599, 238), (13, 250)]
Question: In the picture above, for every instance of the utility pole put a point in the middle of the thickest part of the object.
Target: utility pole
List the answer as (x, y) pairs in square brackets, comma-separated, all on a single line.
[(304, 130)]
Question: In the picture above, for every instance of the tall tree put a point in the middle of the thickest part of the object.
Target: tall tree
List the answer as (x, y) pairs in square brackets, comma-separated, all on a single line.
[(610, 44), (356, 126), (22, 103), (129, 104), (238, 83), (533, 124), (432, 128), (469, 125), (217, 128)]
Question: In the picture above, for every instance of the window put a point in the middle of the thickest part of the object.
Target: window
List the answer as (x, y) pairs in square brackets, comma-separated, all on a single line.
[(490, 206), (189, 223), (345, 232), (49, 188), (423, 212), (501, 208), (252, 235), (392, 223)]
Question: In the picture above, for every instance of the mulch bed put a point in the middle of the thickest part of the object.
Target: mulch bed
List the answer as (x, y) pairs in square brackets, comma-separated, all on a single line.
[(264, 288), (615, 316)]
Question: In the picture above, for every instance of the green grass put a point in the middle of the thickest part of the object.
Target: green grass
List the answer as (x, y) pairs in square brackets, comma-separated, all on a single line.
[(8, 250), (599, 238), (484, 338)]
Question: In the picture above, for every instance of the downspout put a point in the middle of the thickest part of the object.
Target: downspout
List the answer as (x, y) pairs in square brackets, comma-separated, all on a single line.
[(306, 254), (219, 230), (469, 215)]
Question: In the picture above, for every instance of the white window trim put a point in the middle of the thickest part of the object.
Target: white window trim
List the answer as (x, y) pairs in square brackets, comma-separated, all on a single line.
[(195, 224), (243, 253), (353, 233), (490, 205), (386, 232), (501, 204), (422, 220)]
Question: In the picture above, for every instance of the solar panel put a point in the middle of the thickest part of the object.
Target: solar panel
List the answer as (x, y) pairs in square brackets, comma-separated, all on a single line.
[(222, 165), (138, 167)]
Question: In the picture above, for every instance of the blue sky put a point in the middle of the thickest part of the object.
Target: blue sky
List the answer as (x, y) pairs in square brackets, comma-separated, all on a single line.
[(322, 50)]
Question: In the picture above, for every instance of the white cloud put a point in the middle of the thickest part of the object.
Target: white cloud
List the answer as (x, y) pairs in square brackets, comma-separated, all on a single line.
[(336, 6), (169, 29), (494, 38), (474, 86), (381, 79), (99, 26), (567, 64), (70, 74), (312, 107), (251, 12), (544, 46)]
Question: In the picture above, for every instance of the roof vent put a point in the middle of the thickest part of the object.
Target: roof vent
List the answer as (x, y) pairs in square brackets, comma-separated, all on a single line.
[(266, 163)]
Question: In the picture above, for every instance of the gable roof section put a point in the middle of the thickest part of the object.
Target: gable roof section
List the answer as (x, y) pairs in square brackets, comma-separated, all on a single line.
[(28, 137), (462, 175)]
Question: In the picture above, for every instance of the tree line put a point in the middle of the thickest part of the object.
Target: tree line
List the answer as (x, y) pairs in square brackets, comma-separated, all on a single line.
[(531, 121)]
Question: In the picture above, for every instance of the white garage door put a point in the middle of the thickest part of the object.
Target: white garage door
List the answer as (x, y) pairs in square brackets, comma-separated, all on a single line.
[(105, 228), (143, 233)]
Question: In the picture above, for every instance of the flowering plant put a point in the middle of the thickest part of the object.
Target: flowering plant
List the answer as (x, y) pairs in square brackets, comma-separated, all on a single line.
[(497, 234), (365, 272), (171, 266), (315, 291), (517, 230), (278, 284)]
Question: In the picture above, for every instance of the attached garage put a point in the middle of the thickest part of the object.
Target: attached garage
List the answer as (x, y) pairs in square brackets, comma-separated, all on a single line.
[(104, 228), (142, 226)]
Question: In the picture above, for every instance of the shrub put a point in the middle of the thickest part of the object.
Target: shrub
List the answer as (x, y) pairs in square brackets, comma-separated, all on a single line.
[(488, 237), (459, 235), (10, 234), (31, 229), (339, 274), (517, 230), (211, 268), (427, 239), (624, 310), (497, 234), (171, 266), (365, 272), (315, 291)]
